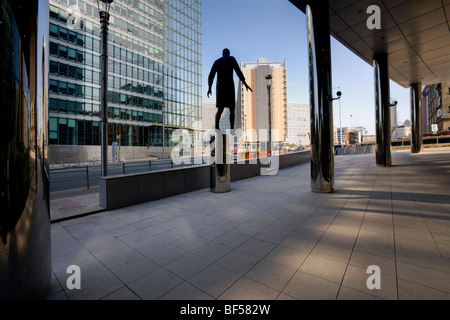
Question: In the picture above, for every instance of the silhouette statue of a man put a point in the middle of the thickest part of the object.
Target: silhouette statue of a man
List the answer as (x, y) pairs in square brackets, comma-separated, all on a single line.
[(225, 96)]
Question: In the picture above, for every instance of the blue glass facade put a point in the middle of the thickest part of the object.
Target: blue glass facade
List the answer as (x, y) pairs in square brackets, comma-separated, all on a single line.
[(143, 87)]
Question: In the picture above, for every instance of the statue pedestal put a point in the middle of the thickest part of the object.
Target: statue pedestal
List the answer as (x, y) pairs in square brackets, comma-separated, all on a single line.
[(219, 170)]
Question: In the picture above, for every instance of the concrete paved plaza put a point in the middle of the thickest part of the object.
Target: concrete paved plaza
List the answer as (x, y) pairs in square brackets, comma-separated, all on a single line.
[(272, 238)]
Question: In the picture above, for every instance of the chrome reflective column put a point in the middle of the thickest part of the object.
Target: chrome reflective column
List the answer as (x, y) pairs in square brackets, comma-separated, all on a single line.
[(382, 111), (416, 118), (320, 96), (25, 252), (220, 178)]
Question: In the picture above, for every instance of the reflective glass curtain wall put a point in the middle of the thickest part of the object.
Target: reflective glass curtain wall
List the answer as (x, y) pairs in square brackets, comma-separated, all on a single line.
[(182, 58), (154, 63)]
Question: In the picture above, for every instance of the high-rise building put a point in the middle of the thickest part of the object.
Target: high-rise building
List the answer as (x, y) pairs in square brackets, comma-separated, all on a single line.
[(252, 107), (154, 75)]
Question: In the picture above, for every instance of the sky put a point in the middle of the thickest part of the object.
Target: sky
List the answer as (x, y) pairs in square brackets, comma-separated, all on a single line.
[(276, 30)]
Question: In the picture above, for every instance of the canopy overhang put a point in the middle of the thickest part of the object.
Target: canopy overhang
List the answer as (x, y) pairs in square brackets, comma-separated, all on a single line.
[(414, 33)]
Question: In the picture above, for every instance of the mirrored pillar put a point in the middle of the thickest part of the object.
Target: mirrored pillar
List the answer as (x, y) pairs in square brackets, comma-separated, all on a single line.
[(25, 251), (220, 178), (382, 110), (320, 91), (416, 118)]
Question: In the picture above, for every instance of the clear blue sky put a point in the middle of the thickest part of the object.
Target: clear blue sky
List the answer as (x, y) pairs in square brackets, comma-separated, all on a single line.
[(276, 30)]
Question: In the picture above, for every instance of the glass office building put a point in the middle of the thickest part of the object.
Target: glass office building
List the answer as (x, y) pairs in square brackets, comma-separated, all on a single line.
[(154, 71)]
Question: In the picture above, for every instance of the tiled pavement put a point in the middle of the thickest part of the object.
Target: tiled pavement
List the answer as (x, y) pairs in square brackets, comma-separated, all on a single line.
[(71, 203), (272, 238)]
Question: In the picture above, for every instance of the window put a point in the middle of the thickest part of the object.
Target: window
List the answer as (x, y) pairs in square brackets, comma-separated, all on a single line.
[(80, 108), (53, 30), (63, 52), (54, 48), (96, 94), (88, 59), (79, 74), (71, 106), (53, 105), (88, 109), (62, 87), (88, 132), (96, 79), (71, 90), (123, 98), (72, 54), (88, 75), (96, 133), (63, 33), (88, 92), (80, 90), (80, 128), (80, 56), (53, 86), (53, 67), (63, 15), (96, 110), (63, 69), (54, 12), (53, 130), (72, 37), (88, 10), (80, 40), (62, 106), (96, 61), (88, 42), (96, 45)]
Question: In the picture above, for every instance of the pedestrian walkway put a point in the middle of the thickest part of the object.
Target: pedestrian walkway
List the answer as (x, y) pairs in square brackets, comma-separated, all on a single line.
[(73, 203), (272, 238)]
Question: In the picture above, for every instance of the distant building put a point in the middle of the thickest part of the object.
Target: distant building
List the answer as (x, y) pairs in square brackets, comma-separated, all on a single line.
[(298, 126), (252, 107), (436, 108), (403, 130), (337, 135), (366, 138), (209, 115)]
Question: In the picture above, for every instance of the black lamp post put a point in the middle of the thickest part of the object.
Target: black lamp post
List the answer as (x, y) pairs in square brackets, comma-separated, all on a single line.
[(269, 85), (103, 9), (339, 94)]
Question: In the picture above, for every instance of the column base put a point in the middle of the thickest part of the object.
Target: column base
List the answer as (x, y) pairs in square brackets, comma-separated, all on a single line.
[(219, 171)]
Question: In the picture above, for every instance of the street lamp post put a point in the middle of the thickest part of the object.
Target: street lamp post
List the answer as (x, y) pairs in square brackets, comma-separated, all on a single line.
[(269, 85), (103, 9)]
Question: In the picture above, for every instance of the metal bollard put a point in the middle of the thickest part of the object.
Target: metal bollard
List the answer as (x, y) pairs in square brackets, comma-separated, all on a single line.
[(87, 176)]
